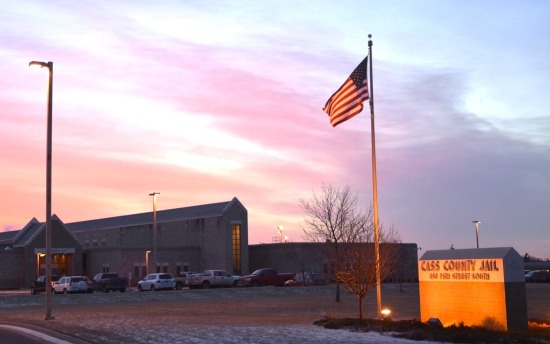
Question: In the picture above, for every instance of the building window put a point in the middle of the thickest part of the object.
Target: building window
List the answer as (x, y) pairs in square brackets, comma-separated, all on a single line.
[(236, 245), (86, 243), (95, 243), (103, 242), (105, 268)]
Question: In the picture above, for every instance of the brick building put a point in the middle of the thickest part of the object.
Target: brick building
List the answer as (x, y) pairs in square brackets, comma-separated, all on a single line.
[(209, 236), (22, 253), (191, 238)]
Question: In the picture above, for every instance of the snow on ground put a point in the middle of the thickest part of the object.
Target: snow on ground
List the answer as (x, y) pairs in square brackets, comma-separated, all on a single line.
[(240, 315), (188, 317), (243, 334)]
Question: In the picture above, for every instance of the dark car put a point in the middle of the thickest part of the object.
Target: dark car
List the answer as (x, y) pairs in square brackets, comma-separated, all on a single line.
[(538, 276), (39, 286), (310, 279)]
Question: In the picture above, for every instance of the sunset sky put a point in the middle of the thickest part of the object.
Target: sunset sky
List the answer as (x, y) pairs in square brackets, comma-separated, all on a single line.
[(204, 101)]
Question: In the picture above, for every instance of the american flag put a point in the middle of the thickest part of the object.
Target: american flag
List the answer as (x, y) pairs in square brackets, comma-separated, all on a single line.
[(348, 100)]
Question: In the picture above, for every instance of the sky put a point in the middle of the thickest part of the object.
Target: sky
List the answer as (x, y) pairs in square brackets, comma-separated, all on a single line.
[(203, 101)]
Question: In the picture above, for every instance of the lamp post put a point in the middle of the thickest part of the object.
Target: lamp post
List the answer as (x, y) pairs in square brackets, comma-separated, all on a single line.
[(147, 262), (154, 194), (477, 222), (48, 233), (280, 228)]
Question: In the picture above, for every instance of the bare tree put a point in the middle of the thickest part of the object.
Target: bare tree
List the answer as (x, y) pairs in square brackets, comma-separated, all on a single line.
[(333, 216), (358, 272)]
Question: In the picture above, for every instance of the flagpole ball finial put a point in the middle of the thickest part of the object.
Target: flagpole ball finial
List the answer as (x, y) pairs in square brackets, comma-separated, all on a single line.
[(370, 36)]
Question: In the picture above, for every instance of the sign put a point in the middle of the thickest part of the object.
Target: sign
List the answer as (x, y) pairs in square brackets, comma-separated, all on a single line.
[(461, 270), (475, 287)]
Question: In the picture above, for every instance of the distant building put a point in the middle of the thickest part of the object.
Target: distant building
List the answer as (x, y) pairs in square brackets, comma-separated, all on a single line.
[(537, 265), (314, 257)]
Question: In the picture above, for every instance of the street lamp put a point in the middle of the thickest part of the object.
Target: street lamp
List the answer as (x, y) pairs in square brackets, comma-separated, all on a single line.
[(477, 222), (154, 194), (280, 228), (48, 233), (147, 262)]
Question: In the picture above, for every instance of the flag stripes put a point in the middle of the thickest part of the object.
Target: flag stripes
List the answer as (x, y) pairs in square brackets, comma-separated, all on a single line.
[(347, 101)]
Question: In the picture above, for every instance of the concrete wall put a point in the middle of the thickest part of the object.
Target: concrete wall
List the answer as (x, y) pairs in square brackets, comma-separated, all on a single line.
[(315, 257), (289, 257)]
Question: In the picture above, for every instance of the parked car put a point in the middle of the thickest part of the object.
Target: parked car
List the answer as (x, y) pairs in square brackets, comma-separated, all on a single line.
[(181, 281), (73, 284), (538, 276), (529, 275), (266, 276), (306, 279), (39, 285), (212, 278), (157, 281), (110, 281)]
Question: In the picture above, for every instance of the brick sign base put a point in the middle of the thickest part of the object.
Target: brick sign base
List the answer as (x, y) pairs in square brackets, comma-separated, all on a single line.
[(475, 287)]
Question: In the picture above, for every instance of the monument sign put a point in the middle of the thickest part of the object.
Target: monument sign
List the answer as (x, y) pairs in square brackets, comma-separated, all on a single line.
[(476, 287)]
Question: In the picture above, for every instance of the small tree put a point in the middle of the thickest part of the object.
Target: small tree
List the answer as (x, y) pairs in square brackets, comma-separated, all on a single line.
[(359, 269)]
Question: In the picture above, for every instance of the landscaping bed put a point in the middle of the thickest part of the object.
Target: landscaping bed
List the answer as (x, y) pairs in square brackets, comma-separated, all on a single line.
[(539, 331)]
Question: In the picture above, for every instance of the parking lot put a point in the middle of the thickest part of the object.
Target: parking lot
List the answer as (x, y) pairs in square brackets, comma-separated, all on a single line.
[(259, 315)]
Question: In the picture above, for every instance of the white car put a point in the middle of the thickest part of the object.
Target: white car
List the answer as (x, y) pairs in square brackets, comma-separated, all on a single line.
[(157, 282), (212, 278), (72, 284)]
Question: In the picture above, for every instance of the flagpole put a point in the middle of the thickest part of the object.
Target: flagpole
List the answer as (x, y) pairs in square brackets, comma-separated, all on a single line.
[(374, 188)]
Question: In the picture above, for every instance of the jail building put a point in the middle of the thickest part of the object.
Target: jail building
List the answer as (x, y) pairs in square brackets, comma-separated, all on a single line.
[(187, 239), (195, 238)]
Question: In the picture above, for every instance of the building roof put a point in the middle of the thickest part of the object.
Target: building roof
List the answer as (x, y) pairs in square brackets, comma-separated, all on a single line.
[(6, 238), (178, 214), (28, 233), (471, 253), (31, 231)]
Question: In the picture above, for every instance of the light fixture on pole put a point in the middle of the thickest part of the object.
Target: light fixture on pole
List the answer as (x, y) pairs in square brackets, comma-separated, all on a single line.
[(477, 222), (280, 229), (154, 194), (48, 232), (147, 262)]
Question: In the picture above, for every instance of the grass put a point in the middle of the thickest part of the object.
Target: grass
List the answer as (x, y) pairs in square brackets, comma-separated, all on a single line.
[(538, 332)]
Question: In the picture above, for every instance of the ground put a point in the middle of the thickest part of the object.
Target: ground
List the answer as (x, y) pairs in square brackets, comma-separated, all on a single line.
[(235, 315)]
